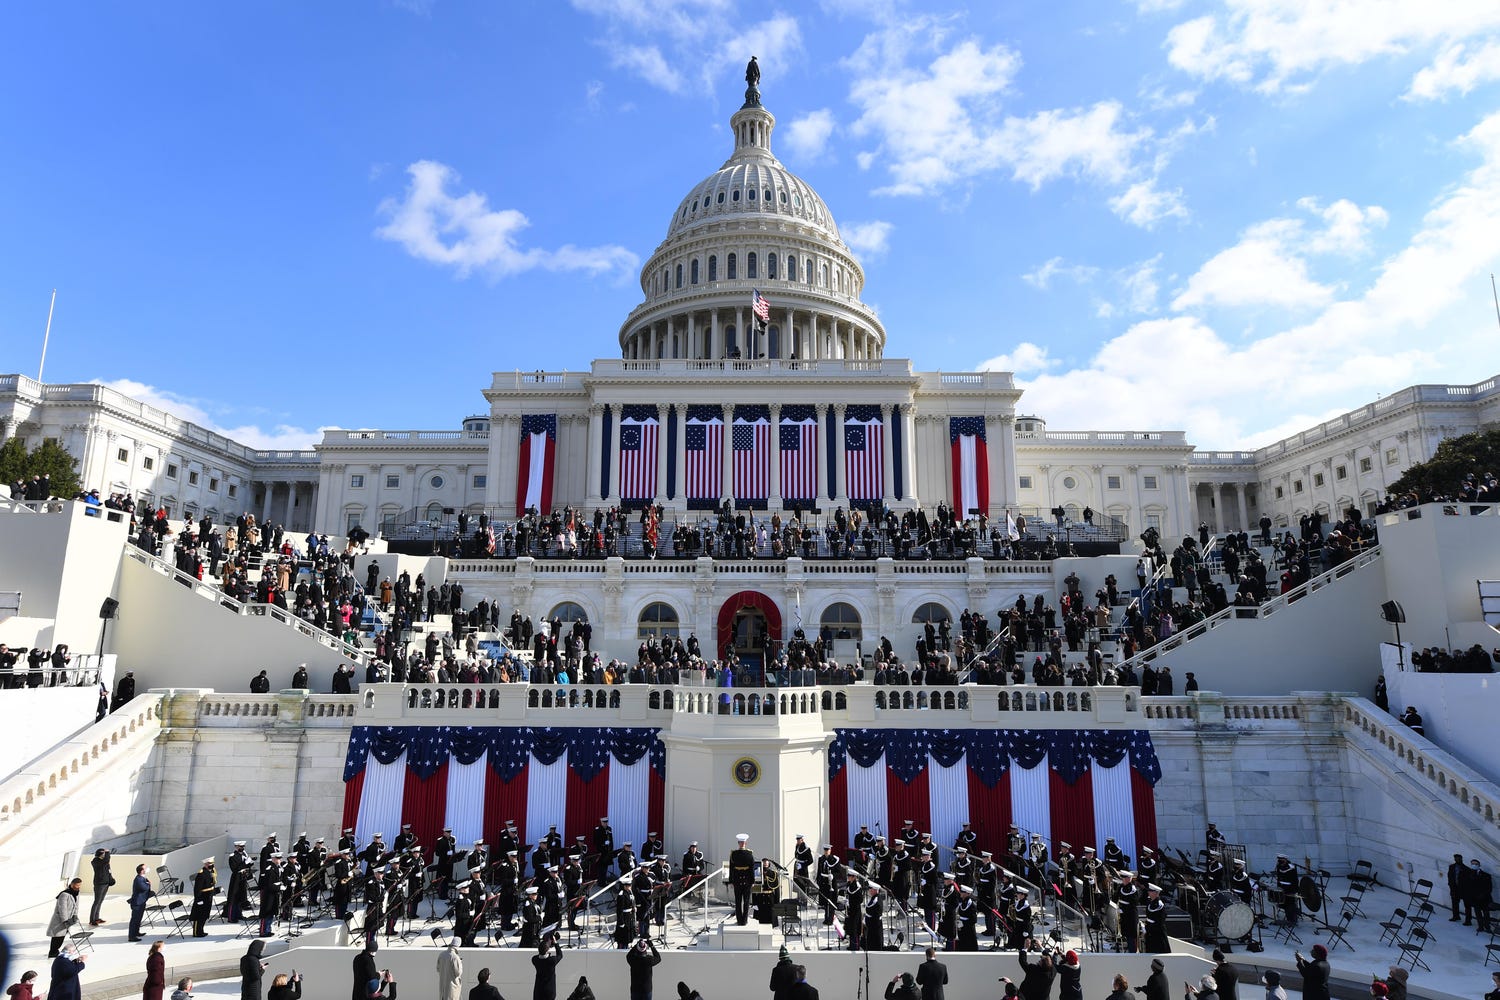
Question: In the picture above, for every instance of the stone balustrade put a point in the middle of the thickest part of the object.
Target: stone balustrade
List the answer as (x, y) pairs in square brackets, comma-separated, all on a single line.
[(52, 775)]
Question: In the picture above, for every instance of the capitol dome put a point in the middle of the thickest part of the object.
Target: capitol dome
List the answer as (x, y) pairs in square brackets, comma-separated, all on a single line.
[(752, 227)]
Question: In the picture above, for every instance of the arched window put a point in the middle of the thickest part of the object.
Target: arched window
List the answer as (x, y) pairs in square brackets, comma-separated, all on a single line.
[(713, 268), (750, 265), (770, 267), (729, 340), (933, 612), (694, 270), (657, 620), (734, 271), (568, 612), (434, 511), (679, 275), (842, 620), (773, 340), (807, 270), (825, 275), (791, 268)]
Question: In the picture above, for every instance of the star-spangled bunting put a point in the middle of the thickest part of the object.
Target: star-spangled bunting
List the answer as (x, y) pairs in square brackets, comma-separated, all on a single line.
[(959, 426), (510, 748), (539, 423), (990, 752)]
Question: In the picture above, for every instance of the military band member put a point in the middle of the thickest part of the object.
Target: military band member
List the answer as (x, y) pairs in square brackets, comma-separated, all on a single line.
[(404, 839), (968, 916), (272, 886), (553, 839), (986, 878), (553, 897), (625, 922), (863, 840), (802, 864), (663, 879), (343, 884), (205, 885), (1015, 849), (1149, 866), (854, 909), (237, 896), (507, 890), (1113, 855), (1156, 921), (463, 915), (653, 848), (478, 905), (374, 903), (346, 841), (508, 842), (1067, 870), (373, 855), (874, 919), (442, 861), (880, 857), (929, 883), (911, 835), (1020, 919), (901, 872), (395, 895), (742, 877), (317, 878), (967, 839), (531, 917), (1240, 884), (963, 866), (625, 859), (302, 847), (413, 869), (1128, 895), (1286, 884), (1214, 875), (1213, 839), (693, 864), (604, 849), (479, 857), (572, 881), (828, 865), (1036, 858), (949, 900)]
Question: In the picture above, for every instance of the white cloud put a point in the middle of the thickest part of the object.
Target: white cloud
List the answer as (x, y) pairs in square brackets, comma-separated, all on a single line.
[(1041, 277), (281, 437), (656, 39), (463, 232), (807, 137), (1456, 69), (1082, 142), (1144, 204), (1139, 286), (1027, 357), (1277, 45), (871, 239), (1268, 266), (1157, 6), (1415, 319)]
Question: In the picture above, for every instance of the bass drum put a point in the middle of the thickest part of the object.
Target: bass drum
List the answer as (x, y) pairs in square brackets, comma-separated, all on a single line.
[(1229, 914)]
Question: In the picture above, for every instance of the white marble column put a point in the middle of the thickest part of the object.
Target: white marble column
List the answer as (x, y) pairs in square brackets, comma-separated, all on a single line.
[(1000, 447), (726, 488), (841, 487), (614, 451), (909, 455), (593, 450), (822, 437), (715, 345), (681, 491), (1241, 506)]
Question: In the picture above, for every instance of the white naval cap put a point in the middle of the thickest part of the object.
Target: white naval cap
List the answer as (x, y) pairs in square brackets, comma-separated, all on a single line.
[(742, 837), (1153, 887)]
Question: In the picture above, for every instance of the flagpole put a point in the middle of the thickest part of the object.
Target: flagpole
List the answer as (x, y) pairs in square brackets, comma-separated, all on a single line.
[(47, 334), (1493, 292)]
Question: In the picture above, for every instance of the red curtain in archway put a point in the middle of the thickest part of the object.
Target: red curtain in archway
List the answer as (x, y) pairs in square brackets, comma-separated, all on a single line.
[(731, 607)]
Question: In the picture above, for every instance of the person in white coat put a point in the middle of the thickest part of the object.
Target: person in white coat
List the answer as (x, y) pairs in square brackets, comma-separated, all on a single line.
[(450, 971)]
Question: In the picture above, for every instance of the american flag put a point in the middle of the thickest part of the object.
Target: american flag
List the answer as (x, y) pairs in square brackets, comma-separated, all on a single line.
[(761, 306), (705, 459), (799, 458), (864, 451), (637, 459), (752, 459)]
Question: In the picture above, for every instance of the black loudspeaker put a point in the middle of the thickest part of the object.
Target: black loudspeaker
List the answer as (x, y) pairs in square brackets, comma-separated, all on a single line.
[(1391, 611), (108, 608)]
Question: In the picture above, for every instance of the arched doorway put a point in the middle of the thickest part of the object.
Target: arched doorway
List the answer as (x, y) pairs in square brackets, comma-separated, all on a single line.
[(743, 618)]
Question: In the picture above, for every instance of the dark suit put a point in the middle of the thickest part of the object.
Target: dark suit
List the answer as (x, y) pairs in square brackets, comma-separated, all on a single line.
[(742, 878), (783, 978), (803, 991), (932, 976), (364, 971)]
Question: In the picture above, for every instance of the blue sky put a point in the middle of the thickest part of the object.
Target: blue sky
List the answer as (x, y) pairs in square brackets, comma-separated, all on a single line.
[(1234, 217)]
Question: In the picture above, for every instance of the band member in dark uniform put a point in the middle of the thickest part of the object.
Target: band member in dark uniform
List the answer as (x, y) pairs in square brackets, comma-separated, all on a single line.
[(531, 917), (828, 865), (442, 861), (1149, 866), (604, 849), (1286, 884), (404, 839), (880, 862), (374, 853), (317, 873), (854, 910), (742, 878), (267, 849), (1240, 884), (1214, 876), (1128, 895), (929, 880), (863, 840), (874, 920), (951, 897), (374, 904), (802, 863), (968, 915), (1113, 855), (205, 886), (346, 841), (625, 859), (1156, 922), (572, 881), (1020, 920), (901, 872), (986, 878), (343, 880), (653, 848), (507, 888), (967, 839), (662, 877), (625, 923), (463, 918), (237, 896), (693, 865), (963, 867)]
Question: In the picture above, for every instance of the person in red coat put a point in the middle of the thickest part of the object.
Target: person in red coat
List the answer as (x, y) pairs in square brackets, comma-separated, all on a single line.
[(156, 973)]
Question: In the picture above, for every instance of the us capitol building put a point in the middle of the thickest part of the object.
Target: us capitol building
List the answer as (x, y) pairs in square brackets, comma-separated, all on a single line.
[(693, 359)]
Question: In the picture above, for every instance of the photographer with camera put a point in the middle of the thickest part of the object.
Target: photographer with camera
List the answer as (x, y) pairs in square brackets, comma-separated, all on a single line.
[(642, 959), (549, 953), (285, 987)]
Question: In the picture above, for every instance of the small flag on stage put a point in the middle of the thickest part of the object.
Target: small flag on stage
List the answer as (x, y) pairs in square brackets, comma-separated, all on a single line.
[(761, 306)]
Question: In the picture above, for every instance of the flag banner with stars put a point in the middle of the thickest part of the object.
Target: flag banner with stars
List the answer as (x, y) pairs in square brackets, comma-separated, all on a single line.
[(534, 464), (752, 456), (1079, 786), (971, 465), (704, 457), (864, 456), (799, 454), (535, 777), (638, 443)]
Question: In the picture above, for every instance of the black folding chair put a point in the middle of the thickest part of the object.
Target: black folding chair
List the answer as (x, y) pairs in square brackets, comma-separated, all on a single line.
[(1363, 874), (167, 882), (78, 938), (1394, 927), (1411, 949), (1492, 950), (180, 918), (1336, 932)]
